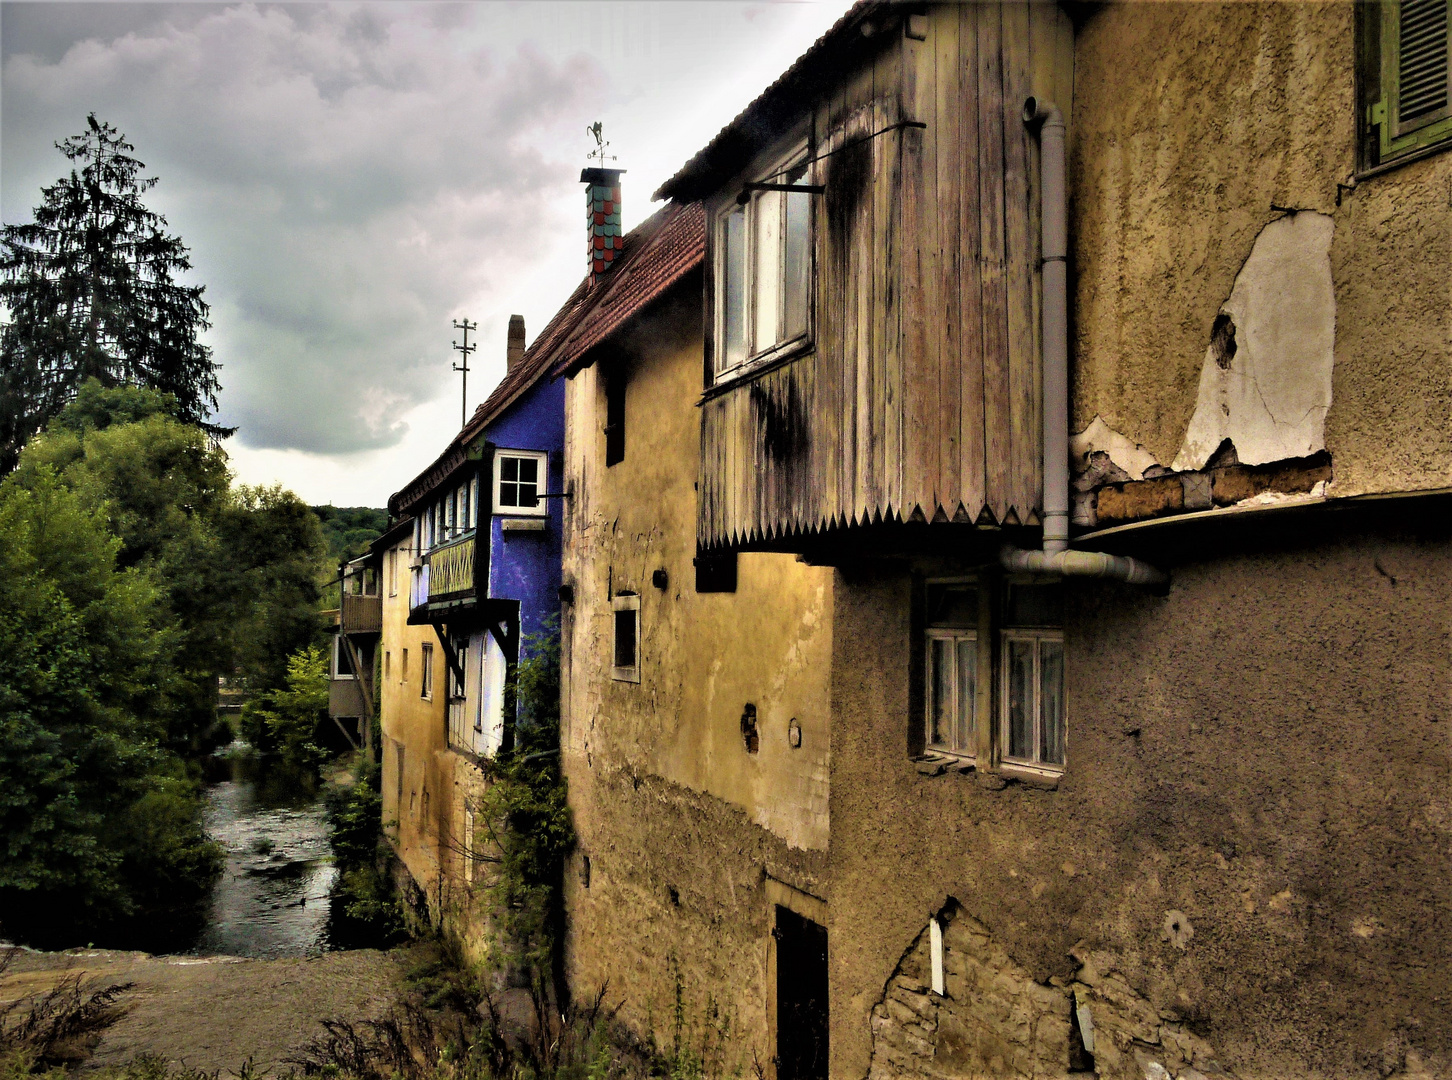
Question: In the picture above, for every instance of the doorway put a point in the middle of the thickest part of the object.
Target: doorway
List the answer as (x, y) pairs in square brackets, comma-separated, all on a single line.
[(801, 997)]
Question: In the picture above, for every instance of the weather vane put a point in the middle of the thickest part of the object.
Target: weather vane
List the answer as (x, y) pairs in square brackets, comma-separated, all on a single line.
[(597, 129), (466, 349)]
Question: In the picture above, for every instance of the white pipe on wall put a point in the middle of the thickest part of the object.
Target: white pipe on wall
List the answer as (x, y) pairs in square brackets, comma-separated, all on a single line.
[(1056, 558)]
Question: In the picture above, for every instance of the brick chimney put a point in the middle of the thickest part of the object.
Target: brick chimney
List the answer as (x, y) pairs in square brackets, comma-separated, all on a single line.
[(602, 219), (515, 351)]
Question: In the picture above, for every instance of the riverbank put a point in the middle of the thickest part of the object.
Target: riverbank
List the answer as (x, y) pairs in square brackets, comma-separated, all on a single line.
[(215, 1013)]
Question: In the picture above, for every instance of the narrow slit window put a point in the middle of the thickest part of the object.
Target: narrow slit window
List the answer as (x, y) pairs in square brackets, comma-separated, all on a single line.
[(952, 670), (625, 611)]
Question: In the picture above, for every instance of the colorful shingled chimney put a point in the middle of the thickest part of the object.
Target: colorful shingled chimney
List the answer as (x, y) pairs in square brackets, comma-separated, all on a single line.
[(602, 219)]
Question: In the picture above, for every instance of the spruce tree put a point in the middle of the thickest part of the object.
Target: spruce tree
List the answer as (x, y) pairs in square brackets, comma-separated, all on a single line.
[(91, 290)]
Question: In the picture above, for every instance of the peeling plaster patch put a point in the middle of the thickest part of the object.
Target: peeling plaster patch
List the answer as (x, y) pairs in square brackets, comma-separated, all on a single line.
[(1266, 379), (1123, 451)]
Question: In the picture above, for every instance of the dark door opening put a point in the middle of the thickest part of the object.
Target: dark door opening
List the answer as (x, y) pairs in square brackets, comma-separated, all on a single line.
[(801, 997)]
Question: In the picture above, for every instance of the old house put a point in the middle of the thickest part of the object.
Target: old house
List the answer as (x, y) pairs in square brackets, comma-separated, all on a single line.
[(352, 651), (471, 573), (1009, 576)]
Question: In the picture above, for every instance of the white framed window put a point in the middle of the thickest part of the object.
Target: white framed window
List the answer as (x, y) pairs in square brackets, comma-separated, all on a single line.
[(625, 614), (342, 666), (519, 480), (473, 496), (763, 271), (426, 672), (1032, 698)]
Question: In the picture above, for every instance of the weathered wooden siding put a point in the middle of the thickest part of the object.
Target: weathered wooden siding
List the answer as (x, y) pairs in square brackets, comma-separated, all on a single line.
[(922, 397)]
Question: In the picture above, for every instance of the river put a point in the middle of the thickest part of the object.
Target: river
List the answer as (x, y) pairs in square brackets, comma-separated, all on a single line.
[(272, 897)]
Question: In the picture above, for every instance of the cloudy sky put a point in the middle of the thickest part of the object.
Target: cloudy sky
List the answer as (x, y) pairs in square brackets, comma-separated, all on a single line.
[(351, 178)]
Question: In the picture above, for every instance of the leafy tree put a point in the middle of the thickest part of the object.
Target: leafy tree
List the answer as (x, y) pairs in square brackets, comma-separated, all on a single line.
[(349, 530), (238, 568), (97, 822), (526, 811), (91, 286), (287, 719)]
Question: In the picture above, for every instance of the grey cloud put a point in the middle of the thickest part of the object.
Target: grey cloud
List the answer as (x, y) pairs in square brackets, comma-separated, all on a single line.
[(345, 177)]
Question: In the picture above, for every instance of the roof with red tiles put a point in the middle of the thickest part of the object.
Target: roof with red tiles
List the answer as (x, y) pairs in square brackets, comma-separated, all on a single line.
[(657, 253)]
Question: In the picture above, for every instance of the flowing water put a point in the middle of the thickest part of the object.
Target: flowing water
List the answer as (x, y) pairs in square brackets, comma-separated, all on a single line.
[(272, 897)]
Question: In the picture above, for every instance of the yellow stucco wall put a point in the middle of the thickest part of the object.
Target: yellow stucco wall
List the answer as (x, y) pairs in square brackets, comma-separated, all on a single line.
[(424, 815), (1192, 122), (680, 822)]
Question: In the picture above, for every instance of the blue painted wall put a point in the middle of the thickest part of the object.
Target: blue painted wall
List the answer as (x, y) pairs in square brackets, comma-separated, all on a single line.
[(526, 566)]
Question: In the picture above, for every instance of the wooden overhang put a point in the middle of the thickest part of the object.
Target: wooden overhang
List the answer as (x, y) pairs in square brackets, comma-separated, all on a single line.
[(917, 398)]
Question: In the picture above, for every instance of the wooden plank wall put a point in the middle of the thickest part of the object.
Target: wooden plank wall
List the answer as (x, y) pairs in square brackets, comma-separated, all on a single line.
[(922, 399)]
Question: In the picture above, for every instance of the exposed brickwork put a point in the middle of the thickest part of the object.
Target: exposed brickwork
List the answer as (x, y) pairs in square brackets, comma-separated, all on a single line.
[(995, 1020)]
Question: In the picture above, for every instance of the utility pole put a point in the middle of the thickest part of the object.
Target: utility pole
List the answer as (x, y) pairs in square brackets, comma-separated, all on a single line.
[(466, 349)]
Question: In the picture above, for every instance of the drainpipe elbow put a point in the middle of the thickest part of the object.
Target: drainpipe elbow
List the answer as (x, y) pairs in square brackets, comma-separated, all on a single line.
[(1087, 564)]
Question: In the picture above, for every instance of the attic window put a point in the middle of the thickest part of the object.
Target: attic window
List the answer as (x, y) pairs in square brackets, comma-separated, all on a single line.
[(764, 271)]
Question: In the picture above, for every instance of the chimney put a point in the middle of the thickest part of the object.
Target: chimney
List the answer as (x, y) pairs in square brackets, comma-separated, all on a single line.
[(515, 351), (602, 219)]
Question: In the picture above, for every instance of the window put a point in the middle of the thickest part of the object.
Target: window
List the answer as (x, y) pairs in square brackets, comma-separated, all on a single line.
[(626, 612), (716, 572), (519, 477), (952, 669), (393, 572), (614, 418), (1031, 693), (474, 503), (1405, 43), (404, 678), (456, 705), (342, 665), (764, 272), (426, 673)]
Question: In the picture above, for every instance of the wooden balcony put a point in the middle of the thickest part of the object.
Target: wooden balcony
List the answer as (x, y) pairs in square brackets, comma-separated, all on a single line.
[(446, 581), (345, 698), (361, 615)]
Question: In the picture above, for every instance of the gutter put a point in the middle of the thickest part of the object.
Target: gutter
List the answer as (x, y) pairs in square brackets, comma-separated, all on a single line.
[(1055, 557)]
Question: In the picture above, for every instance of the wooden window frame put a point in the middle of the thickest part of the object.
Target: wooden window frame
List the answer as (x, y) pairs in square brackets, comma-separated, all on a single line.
[(782, 167), (1386, 141), (618, 603), (1033, 765), (541, 506), (955, 635), (426, 672)]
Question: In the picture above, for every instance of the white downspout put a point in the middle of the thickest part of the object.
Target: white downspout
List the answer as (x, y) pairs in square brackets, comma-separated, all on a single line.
[(1056, 558)]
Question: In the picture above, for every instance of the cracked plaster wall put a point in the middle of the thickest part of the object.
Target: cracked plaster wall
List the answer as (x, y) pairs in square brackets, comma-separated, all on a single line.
[(679, 821), (1190, 122), (1253, 837)]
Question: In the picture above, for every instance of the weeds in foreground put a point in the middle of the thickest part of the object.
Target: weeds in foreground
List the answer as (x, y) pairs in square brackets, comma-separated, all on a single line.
[(57, 1027)]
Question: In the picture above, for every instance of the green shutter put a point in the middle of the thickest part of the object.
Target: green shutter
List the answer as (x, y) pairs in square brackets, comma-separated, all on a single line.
[(1416, 77)]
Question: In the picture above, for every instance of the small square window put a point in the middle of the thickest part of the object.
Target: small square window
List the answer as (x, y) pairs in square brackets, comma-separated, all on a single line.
[(519, 480), (626, 613)]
